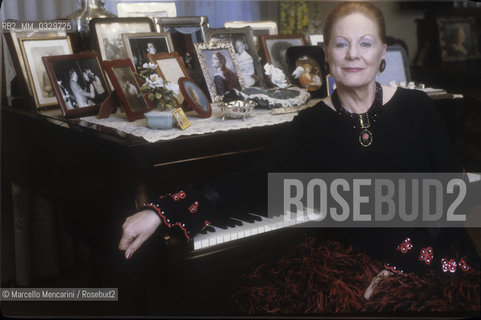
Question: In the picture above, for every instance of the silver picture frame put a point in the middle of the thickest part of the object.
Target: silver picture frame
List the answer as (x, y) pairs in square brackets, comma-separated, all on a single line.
[(246, 52), (205, 54), (195, 26)]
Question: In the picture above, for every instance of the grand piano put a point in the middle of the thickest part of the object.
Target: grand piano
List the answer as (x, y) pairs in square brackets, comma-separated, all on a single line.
[(99, 177)]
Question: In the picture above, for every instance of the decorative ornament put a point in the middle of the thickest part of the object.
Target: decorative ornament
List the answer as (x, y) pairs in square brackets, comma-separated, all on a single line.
[(405, 246), (426, 255), (277, 77), (365, 119)]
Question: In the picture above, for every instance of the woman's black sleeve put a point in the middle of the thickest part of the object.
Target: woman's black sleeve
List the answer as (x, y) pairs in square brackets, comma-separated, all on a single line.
[(244, 189)]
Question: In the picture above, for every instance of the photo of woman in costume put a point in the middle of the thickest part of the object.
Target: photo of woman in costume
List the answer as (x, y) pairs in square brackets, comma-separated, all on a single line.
[(223, 78)]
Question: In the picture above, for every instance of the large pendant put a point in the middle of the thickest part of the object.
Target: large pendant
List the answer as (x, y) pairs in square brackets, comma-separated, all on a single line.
[(365, 137)]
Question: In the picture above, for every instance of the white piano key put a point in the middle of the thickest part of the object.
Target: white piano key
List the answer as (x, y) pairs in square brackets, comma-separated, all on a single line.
[(212, 241), (197, 244)]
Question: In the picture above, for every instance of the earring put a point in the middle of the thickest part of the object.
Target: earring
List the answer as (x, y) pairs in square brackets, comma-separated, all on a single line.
[(382, 66)]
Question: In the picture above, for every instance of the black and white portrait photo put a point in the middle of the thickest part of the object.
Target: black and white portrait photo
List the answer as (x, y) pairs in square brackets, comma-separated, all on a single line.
[(140, 44), (130, 88), (245, 51), (108, 33), (81, 82)]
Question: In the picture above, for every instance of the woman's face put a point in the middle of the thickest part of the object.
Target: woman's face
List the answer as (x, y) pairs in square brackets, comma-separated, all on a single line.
[(215, 61), (355, 51)]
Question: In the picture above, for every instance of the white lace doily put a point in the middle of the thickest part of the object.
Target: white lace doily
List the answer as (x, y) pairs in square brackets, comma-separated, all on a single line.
[(198, 125)]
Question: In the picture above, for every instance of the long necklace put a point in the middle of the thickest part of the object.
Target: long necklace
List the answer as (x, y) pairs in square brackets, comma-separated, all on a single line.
[(361, 121)]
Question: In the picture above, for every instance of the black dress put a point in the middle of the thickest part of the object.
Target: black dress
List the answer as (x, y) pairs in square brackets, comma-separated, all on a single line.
[(408, 136)]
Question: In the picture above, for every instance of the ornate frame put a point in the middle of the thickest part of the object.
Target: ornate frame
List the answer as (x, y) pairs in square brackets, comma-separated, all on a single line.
[(201, 49), (460, 52), (246, 32)]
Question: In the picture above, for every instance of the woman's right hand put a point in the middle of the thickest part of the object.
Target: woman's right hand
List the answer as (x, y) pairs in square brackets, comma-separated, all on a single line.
[(136, 229)]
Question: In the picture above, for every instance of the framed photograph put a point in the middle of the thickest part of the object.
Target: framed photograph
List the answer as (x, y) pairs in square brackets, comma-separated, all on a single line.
[(181, 118), (194, 26), (138, 45), (153, 10), (397, 66), (171, 68), (33, 49), (275, 47), (259, 28), (306, 68), (127, 86), (195, 97), (185, 31), (458, 38), (220, 68), (78, 81), (14, 47), (245, 51), (106, 34)]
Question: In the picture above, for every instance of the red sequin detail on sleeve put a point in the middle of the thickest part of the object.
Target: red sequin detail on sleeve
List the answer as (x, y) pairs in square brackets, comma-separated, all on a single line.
[(448, 265), (193, 207), (426, 255), (462, 264), (405, 246)]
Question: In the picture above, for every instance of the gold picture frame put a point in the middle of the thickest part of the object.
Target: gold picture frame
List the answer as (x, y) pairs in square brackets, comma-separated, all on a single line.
[(33, 49), (13, 43)]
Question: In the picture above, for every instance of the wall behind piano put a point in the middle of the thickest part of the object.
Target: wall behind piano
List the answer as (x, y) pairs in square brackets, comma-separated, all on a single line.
[(217, 11), (401, 22)]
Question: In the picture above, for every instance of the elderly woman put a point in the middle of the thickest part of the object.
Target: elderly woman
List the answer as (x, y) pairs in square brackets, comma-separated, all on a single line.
[(362, 127)]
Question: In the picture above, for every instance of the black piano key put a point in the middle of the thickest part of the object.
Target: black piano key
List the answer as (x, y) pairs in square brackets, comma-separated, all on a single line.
[(256, 217), (225, 222), (243, 217)]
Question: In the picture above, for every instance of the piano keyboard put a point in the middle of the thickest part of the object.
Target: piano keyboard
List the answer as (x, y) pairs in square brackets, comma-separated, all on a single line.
[(247, 226), (230, 229)]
